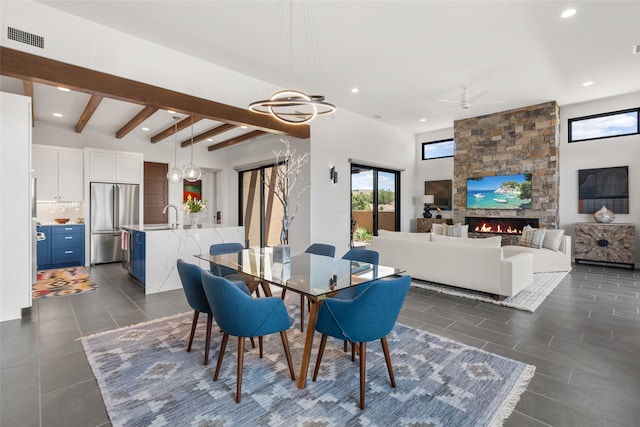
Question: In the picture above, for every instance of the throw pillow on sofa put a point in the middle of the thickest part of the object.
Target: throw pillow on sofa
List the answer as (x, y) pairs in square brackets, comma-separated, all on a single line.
[(532, 237), (456, 230), (552, 239)]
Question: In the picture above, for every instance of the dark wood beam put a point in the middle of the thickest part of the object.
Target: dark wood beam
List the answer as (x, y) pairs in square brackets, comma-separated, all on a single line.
[(236, 140), (143, 115), (182, 124), (208, 134), (89, 109), (28, 91), (34, 68)]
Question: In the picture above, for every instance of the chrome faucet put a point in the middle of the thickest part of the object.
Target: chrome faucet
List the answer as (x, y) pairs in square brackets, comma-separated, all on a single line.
[(164, 212)]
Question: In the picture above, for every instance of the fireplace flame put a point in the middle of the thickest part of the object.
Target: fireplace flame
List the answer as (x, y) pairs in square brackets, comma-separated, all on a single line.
[(484, 228)]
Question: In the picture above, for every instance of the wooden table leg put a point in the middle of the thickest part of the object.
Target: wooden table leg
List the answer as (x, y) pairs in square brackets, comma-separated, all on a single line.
[(308, 342), (266, 288)]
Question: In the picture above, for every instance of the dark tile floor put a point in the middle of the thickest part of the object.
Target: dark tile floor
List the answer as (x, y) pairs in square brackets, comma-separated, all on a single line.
[(584, 340)]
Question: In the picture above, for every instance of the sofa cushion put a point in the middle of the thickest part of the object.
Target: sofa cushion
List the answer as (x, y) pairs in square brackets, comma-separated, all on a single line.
[(421, 237), (552, 239), (532, 237), (489, 242), (456, 230)]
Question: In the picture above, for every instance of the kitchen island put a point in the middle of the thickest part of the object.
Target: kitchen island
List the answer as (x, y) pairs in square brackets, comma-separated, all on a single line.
[(162, 246)]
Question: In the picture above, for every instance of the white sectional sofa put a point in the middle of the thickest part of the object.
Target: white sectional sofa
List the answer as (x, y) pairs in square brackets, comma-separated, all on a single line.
[(477, 264), (546, 259)]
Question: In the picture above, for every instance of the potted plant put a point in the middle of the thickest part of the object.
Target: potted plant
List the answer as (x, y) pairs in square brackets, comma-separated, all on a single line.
[(285, 187)]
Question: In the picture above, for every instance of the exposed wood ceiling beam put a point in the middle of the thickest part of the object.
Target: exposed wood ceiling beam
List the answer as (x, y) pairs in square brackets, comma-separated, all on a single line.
[(143, 115), (34, 68), (28, 91), (182, 124), (208, 134), (89, 109), (236, 140)]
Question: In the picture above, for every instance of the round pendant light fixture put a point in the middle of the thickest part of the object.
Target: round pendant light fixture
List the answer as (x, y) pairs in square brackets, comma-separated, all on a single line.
[(174, 176), (191, 172)]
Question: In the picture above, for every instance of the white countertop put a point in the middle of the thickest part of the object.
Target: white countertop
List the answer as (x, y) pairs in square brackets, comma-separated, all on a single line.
[(166, 227)]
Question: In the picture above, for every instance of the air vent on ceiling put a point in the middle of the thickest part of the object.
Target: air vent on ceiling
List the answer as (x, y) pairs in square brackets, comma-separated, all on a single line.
[(24, 37), (636, 49)]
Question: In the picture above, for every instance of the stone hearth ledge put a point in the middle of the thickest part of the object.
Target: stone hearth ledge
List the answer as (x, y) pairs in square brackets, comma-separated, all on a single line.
[(165, 246)]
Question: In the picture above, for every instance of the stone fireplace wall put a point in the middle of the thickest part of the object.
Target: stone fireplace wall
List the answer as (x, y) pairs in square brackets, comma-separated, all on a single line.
[(525, 140)]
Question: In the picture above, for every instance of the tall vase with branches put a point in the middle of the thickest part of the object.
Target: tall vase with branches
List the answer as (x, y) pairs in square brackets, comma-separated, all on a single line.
[(286, 185)]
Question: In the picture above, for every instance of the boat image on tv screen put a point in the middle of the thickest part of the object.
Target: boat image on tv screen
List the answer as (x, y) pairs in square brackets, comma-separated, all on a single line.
[(499, 192)]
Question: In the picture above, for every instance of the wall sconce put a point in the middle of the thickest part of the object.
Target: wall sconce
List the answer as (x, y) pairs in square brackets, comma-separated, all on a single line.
[(427, 199), (333, 175)]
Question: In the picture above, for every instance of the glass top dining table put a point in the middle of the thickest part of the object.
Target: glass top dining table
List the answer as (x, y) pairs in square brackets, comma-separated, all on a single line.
[(313, 276)]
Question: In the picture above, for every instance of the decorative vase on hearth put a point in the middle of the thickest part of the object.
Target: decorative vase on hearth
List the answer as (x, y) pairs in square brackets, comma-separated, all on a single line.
[(193, 218), (604, 215)]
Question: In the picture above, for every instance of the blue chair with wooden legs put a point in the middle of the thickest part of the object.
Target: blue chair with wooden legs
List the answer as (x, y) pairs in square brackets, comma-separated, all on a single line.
[(240, 315), (191, 278), (316, 249), (370, 316), (221, 270)]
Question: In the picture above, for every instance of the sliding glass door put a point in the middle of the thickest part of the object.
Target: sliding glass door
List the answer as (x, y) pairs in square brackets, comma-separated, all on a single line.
[(375, 197), (260, 212)]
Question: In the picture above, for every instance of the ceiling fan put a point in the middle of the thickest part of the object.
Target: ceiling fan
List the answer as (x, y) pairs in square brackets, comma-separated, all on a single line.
[(465, 98)]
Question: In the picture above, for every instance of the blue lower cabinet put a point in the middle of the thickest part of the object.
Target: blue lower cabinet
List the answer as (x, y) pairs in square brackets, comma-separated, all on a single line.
[(44, 247), (67, 246), (138, 256)]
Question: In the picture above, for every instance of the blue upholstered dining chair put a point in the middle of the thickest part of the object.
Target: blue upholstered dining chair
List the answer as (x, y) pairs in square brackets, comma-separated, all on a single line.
[(240, 315), (361, 255), (191, 278), (221, 270), (369, 316), (316, 249)]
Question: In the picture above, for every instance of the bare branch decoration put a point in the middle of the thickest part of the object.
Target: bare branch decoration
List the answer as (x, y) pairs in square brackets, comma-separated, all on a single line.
[(288, 169)]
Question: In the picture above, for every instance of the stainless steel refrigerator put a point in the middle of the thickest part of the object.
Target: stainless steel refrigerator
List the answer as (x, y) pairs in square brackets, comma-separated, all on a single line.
[(112, 206)]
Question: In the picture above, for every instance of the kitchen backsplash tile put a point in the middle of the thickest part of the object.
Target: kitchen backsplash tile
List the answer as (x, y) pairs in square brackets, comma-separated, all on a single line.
[(48, 211)]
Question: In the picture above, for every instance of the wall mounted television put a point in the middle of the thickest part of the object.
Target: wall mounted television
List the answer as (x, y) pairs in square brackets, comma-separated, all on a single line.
[(604, 187), (499, 192)]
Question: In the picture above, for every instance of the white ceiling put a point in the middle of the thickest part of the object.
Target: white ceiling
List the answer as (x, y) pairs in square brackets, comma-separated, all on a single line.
[(403, 55)]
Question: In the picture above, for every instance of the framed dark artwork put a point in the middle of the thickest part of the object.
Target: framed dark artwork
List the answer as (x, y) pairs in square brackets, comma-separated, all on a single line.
[(604, 187), (194, 189), (441, 191)]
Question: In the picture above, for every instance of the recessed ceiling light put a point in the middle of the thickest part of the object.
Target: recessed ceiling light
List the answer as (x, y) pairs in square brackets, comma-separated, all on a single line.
[(568, 13), (171, 112), (64, 89), (243, 127), (585, 84), (423, 120), (57, 115), (355, 90), (210, 139), (146, 129)]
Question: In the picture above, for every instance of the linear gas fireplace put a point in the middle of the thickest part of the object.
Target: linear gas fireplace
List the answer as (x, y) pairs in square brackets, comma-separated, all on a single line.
[(497, 225)]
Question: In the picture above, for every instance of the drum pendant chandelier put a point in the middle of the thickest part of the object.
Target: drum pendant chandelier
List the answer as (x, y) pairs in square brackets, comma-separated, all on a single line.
[(294, 106)]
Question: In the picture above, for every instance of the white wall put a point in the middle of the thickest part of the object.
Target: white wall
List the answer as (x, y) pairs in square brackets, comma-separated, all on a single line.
[(334, 141), (431, 170), (620, 151)]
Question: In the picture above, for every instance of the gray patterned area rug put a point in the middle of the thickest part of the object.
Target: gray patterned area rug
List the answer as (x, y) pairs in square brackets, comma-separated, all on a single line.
[(528, 299), (148, 379)]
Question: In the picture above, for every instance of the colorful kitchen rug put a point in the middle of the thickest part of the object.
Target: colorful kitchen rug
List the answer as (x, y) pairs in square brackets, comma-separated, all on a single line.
[(147, 378), (62, 282)]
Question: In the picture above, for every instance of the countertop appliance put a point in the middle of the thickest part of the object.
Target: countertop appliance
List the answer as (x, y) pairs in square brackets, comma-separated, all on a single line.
[(112, 206)]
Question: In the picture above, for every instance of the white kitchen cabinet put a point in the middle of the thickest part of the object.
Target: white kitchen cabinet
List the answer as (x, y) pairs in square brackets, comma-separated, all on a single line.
[(106, 166), (59, 172)]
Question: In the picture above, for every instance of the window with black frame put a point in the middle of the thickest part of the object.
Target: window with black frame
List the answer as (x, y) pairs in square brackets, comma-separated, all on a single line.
[(605, 125), (438, 149)]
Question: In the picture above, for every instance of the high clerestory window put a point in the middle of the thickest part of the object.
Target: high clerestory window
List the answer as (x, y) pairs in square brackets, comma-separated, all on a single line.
[(437, 149), (605, 125)]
